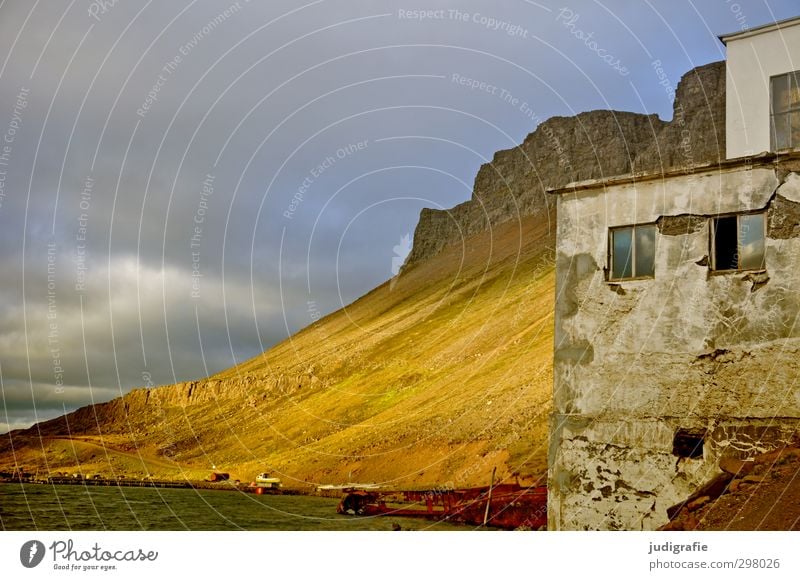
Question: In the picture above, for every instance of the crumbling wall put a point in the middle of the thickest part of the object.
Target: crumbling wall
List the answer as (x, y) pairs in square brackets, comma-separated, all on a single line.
[(637, 361)]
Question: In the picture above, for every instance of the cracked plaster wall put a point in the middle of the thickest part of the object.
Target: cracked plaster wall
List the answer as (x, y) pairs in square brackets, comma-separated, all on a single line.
[(635, 361)]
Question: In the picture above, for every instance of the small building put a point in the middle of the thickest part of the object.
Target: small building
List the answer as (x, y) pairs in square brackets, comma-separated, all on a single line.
[(762, 89), (677, 340)]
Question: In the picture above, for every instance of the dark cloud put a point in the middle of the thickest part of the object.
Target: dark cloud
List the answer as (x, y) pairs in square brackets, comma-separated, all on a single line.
[(287, 114)]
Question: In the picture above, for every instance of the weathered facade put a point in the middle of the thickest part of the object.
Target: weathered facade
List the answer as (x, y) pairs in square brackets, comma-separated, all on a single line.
[(689, 357), (677, 339)]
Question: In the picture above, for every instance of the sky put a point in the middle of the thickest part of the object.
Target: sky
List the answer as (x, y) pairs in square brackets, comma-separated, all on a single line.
[(184, 184)]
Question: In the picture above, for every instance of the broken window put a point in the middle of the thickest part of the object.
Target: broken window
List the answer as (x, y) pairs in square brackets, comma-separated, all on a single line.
[(688, 443), (785, 111), (632, 252), (737, 242)]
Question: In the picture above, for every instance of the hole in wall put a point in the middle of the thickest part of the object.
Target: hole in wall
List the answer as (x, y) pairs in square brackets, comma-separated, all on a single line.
[(688, 443)]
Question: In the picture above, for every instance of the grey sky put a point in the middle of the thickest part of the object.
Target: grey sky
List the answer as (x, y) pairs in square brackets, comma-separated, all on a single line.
[(318, 131)]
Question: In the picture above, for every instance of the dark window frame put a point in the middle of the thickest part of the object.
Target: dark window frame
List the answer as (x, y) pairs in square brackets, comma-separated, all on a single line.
[(610, 277), (783, 115), (712, 243)]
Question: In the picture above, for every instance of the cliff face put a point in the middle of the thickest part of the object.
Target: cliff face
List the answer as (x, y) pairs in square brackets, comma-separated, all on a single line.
[(587, 146)]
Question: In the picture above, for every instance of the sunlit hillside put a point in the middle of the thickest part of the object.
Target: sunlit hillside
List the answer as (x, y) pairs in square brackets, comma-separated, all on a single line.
[(434, 378)]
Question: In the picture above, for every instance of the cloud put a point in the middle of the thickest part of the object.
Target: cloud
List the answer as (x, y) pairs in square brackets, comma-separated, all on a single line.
[(130, 319), (145, 101)]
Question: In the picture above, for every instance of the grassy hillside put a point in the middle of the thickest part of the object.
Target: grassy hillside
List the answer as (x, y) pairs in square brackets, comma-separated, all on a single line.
[(433, 379)]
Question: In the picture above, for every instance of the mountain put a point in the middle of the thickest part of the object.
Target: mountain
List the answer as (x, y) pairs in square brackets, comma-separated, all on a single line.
[(589, 145), (435, 377)]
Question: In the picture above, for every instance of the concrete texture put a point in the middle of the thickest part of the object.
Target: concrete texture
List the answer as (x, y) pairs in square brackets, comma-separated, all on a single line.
[(635, 361)]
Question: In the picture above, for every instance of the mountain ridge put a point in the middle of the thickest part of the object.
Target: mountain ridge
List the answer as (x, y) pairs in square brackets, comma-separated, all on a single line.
[(589, 145)]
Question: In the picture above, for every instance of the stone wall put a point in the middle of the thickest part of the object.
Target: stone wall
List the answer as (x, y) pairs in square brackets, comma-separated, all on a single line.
[(708, 353), (587, 146)]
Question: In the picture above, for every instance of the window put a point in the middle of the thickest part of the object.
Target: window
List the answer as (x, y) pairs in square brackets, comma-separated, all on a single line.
[(737, 242), (785, 111), (632, 252)]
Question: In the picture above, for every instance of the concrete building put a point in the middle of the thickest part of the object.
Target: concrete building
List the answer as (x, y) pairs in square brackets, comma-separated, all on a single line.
[(762, 92), (677, 340)]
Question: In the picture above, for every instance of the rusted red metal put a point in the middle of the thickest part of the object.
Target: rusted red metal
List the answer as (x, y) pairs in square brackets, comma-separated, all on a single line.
[(511, 506), (219, 477)]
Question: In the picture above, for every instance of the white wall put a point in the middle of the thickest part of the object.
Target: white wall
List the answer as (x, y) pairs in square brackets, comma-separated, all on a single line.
[(751, 62)]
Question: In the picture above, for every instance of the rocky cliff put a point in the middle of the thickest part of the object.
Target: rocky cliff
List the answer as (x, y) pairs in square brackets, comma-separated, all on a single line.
[(587, 146)]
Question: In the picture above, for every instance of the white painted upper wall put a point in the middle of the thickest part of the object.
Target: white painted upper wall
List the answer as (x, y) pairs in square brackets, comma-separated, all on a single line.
[(753, 57)]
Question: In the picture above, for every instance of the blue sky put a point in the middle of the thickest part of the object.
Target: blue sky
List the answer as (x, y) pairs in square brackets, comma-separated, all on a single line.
[(183, 178)]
